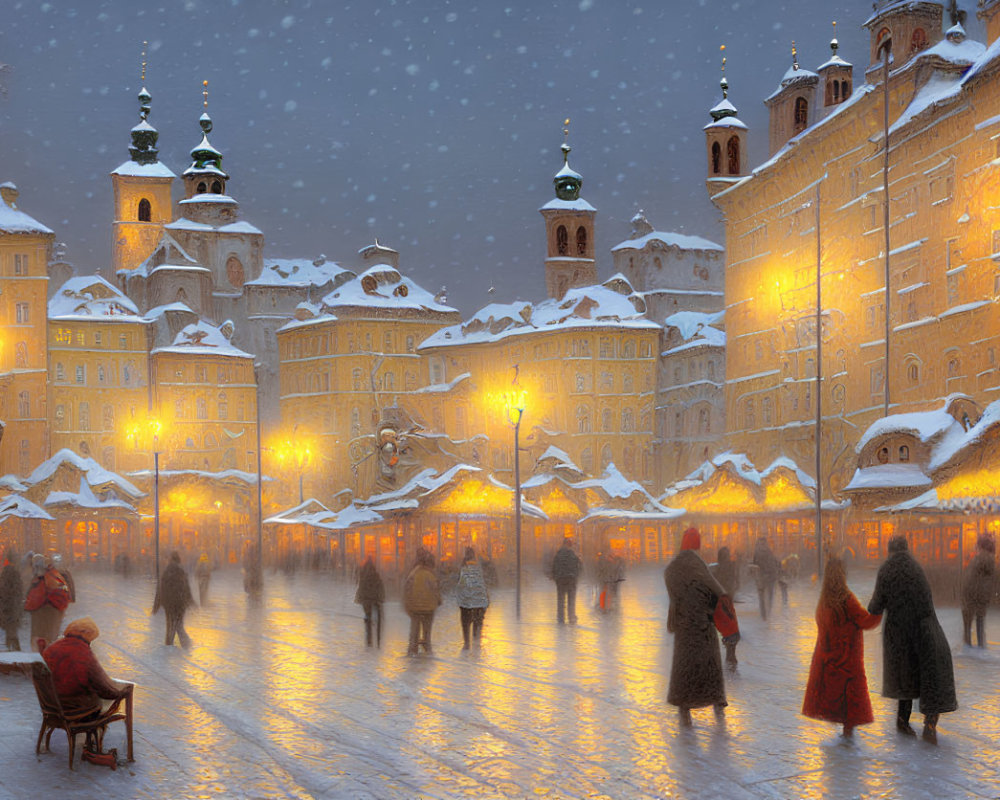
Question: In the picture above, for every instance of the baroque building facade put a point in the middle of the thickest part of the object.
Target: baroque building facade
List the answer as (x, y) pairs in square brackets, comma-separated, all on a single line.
[(862, 258)]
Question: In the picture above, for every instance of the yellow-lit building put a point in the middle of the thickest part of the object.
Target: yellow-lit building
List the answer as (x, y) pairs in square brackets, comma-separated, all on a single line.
[(907, 308), (205, 399), (25, 251), (346, 361), (98, 371)]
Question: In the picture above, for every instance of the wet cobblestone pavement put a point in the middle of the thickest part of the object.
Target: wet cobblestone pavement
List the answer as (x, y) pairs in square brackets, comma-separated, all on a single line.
[(284, 701)]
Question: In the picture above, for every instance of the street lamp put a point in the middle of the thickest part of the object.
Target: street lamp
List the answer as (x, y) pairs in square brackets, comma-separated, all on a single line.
[(138, 432), (514, 406), (298, 454)]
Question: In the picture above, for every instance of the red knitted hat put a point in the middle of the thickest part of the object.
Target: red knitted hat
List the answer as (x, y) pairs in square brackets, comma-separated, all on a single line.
[(691, 540)]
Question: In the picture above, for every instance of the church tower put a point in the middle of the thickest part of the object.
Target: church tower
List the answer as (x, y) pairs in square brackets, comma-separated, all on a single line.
[(725, 140), (792, 106), (905, 27), (141, 187), (989, 13), (569, 232), (836, 77)]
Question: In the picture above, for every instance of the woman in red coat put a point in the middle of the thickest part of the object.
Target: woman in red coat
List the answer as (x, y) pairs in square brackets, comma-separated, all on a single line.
[(837, 690)]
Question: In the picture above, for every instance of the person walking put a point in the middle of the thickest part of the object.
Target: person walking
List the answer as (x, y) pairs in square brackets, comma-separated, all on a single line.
[(370, 596), (203, 574), (48, 597), (916, 657), (566, 567), (421, 597), (696, 677), (11, 600), (724, 571), (837, 688), (768, 569), (472, 597), (977, 589), (173, 594)]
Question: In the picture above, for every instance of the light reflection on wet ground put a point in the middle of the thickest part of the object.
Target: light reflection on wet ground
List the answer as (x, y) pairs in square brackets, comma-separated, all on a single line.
[(285, 702)]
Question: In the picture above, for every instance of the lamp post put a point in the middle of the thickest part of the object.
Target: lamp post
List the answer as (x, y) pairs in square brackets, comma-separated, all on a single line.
[(258, 585), (137, 432), (514, 403)]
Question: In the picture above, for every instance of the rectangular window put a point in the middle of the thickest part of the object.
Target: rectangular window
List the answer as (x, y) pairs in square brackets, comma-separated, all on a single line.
[(81, 373), (23, 314), (20, 264), (123, 341), (63, 336), (98, 338)]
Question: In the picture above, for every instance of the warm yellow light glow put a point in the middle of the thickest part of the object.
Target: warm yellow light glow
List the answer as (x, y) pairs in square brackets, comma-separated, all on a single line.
[(474, 497), (144, 432), (978, 483), (783, 493), (556, 504)]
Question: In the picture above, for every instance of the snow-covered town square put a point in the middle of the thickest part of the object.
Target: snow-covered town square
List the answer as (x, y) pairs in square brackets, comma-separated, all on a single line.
[(285, 701)]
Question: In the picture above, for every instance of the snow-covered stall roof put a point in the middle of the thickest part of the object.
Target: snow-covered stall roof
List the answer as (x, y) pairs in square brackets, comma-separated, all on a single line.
[(97, 477), (90, 296), (15, 505), (314, 514), (585, 307)]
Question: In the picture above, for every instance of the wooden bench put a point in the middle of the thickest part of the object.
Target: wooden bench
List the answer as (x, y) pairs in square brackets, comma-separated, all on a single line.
[(93, 727)]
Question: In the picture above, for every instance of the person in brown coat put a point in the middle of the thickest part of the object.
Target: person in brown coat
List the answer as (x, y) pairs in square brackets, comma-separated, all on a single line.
[(47, 599), (696, 677), (421, 597), (173, 594), (370, 596), (11, 600), (977, 589)]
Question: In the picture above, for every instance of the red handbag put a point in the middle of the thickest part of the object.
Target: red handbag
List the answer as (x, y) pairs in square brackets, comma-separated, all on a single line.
[(725, 617)]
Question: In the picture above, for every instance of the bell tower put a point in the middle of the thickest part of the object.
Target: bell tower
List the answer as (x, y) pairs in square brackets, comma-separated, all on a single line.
[(906, 28), (836, 76), (725, 140), (142, 192), (569, 231)]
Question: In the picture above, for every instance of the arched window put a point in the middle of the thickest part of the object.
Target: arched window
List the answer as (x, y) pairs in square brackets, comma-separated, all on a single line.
[(84, 416), (801, 120), (904, 453), (606, 456), (234, 272), (216, 187), (101, 374), (145, 210), (562, 241), (108, 417), (606, 420), (581, 241), (21, 355), (583, 419), (202, 188), (23, 405), (883, 455), (749, 418), (913, 373), (845, 90), (628, 420), (201, 408), (733, 155), (918, 41), (704, 421), (716, 158), (765, 410)]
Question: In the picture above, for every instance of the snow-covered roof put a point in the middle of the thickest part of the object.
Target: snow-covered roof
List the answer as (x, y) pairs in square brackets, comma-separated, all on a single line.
[(90, 296), (383, 287), (924, 425), (888, 476), (15, 505), (13, 220), (696, 329), (315, 514), (202, 338), (444, 388), (96, 475), (136, 170), (679, 240), (159, 311), (298, 272), (795, 74), (568, 205), (85, 498), (739, 464), (582, 307)]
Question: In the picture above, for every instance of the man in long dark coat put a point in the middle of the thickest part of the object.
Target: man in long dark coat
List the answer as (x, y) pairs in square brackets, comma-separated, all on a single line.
[(696, 678), (174, 594), (916, 656)]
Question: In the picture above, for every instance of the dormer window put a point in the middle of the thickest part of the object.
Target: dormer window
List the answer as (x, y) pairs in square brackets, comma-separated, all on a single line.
[(145, 211), (369, 284), (904, 453)]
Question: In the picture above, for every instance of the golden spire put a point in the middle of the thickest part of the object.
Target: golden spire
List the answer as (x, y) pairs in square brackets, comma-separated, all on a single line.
[(204, 93), (795, 56), (142, 77), (565, 145), (724, 83)]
